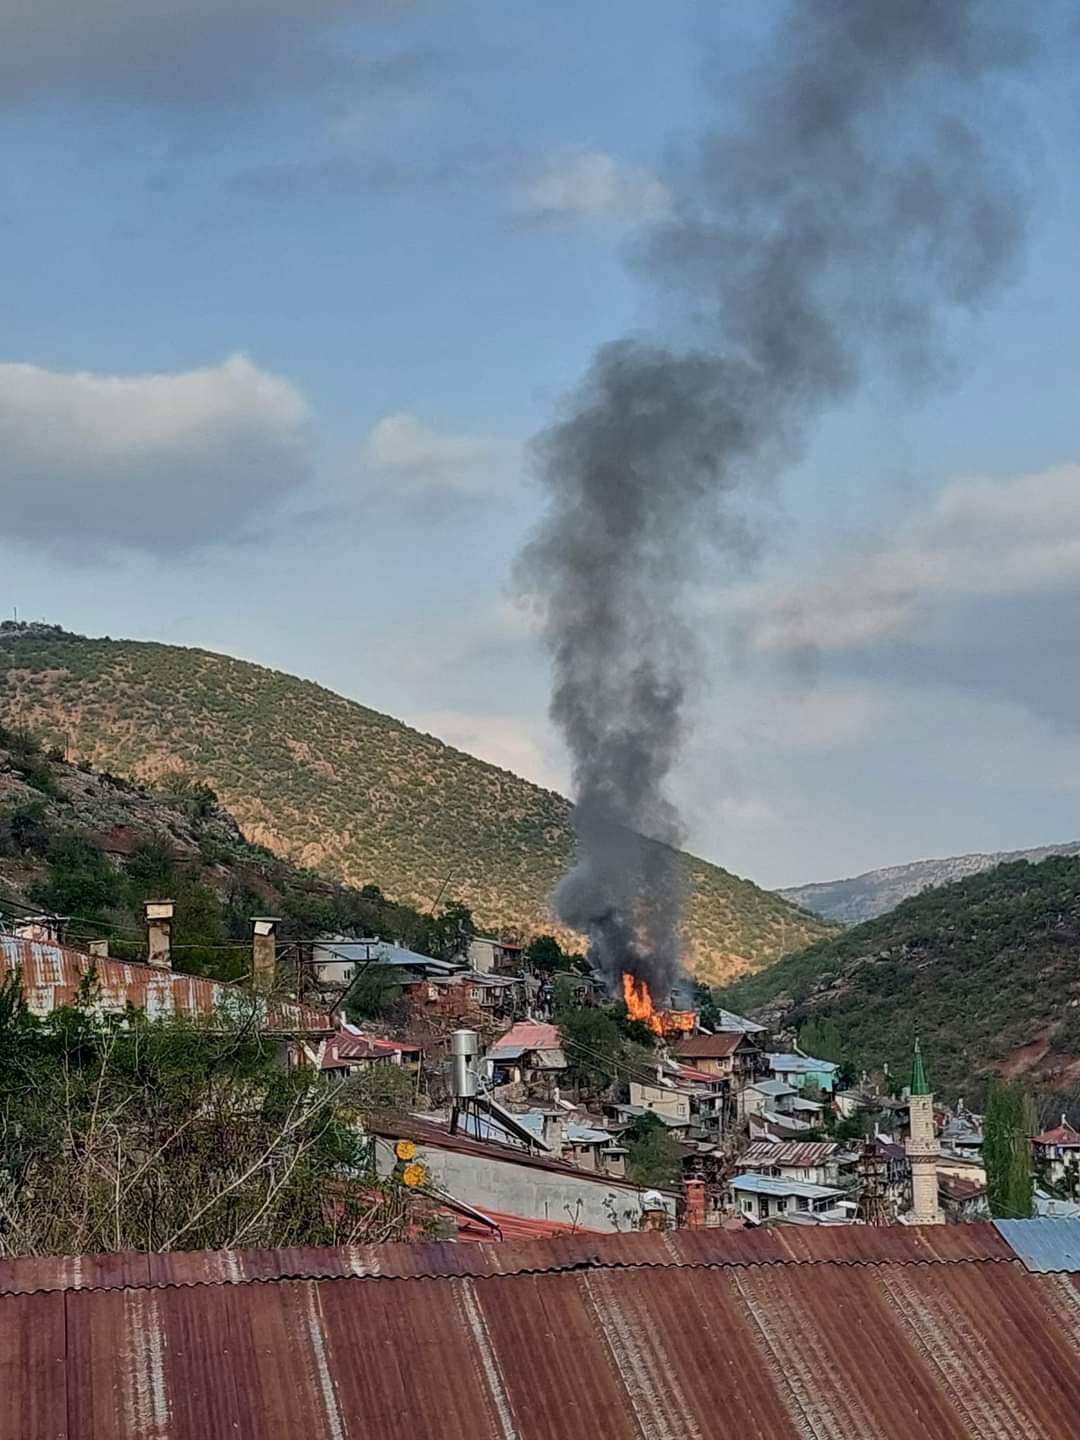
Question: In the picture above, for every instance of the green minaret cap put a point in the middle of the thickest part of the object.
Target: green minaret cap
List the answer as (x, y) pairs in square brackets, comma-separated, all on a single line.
[(919, 1083)]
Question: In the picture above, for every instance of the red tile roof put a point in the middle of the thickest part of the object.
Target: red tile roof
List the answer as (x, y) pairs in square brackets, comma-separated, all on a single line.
[(777, 1333), (1064, 1134), (51, 976)]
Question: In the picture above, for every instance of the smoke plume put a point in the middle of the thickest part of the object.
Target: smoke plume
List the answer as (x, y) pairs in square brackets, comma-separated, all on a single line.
[(858, 199)]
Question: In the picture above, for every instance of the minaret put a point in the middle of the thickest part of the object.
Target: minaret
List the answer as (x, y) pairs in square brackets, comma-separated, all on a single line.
[(923, 1149)]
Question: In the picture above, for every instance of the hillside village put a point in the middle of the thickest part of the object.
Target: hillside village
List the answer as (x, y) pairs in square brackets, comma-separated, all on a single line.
[(526, 1098)]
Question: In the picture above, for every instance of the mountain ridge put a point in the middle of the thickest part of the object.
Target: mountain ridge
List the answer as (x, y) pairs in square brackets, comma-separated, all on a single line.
[(986, 970), (862, 897), (339, 788)]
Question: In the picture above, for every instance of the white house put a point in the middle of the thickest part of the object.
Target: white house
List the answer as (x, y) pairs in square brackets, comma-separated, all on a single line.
[(763, 1197), (818, 1162)]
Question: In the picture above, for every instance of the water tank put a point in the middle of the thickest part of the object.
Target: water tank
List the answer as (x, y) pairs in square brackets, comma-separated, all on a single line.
[(464, 1047)]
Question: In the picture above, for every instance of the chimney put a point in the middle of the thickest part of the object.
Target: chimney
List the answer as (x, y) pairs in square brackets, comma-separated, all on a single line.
[(159, 918), (263, 951), (553, 1132), (694, 1194), (99, 949)]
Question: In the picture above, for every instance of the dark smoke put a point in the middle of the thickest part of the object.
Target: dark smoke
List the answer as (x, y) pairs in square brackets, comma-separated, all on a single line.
[(858, 200)]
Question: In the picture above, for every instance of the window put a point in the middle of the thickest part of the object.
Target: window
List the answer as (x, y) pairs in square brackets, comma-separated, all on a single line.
[(801, 1203), (764, 1207), (781, 1206), (748, 1206)]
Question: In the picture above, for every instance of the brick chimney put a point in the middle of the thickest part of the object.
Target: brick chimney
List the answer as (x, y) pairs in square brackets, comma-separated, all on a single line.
[(694, 1195), (263, 951), (159, 918)]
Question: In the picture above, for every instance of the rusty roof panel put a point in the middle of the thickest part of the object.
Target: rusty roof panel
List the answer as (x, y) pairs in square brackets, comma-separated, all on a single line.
[(772, 1245), (956, 1351), (51, 976)]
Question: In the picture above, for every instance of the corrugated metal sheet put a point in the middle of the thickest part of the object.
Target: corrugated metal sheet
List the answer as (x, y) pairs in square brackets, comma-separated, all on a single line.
[(1044, 1245), (794, 1153), (780, 1352), (773, 1245), (51, 976)]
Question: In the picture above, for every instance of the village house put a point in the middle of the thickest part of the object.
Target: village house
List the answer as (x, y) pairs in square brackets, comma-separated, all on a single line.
[(962, 1200), (336, 960), (1057, 1155), (765, 1095), (818, 1162), (731, 1055), (486, 955), (510, 1180), (530, 1055), (803, 1072), (348, 1051), (765, 1197)]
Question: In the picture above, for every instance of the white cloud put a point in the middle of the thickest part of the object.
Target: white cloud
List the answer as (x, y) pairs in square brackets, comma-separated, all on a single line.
[(154, 462), (409, 463), (592, 185), (979, 538)]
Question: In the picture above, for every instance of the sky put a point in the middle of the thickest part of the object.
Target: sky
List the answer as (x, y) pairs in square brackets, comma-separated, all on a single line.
[(287, 286)]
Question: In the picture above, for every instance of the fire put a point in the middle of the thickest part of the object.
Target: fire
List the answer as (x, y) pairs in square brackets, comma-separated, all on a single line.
[(639, 1004)]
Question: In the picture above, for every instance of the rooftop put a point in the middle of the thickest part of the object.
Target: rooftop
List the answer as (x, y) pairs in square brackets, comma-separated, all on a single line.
[(800, 1065), (795, 1153), (525, 1035), (1063, 1134), (710, 1047), (51, 976), (776, 1185), (682, 1335)]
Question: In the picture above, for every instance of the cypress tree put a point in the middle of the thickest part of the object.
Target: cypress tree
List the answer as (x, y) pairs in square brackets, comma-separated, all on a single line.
[(1007, 1154)]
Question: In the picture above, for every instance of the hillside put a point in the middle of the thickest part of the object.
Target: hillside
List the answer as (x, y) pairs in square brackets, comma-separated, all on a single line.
[(94, 847), (353, 794), (863, 897), (987, 969)]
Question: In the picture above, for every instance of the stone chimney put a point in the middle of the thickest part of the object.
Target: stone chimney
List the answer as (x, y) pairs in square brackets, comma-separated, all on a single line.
[(263, 951), (159, 918), (99, 949), (694, 1195)]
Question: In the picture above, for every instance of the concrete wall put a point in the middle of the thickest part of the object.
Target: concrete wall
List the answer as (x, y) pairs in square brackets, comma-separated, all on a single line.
[(665, 1102), (529, 1191)]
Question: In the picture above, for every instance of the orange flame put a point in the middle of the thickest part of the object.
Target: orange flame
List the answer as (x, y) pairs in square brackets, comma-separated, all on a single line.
[(639, 1004)]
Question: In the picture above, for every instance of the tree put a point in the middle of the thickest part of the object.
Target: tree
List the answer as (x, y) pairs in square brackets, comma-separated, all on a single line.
[(125, 1133), (820, 1037), (654, 1159), (375, 995), (449, 933), (594, 1045), (82, 881), (1007, 1153)]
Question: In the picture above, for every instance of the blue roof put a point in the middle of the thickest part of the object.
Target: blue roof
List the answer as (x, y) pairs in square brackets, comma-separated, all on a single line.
[(770, 1185), (800, 1065), (1045, 1246), (382, 952)]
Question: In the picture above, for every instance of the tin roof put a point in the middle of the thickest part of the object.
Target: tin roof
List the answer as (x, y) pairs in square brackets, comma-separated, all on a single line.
[(710, 1047), (1044, 1245), (800, 1065), (1063, 1134), (794, 1153), (51, 976), (528, 1035), (781, 1334), (777, 1185)]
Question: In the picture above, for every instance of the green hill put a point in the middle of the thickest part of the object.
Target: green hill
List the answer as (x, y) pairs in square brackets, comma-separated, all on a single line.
[(987, 970), (353, 794)]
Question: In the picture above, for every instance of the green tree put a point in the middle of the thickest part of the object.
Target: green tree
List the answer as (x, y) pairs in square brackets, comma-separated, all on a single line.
[(449, 932), (821, 1038), (654, 1158), (175, 1135), (594, 1043), (81, 880), (375, 995), (1007, 1153)]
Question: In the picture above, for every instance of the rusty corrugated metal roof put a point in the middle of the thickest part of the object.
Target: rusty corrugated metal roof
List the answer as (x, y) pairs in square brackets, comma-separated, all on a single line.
[(688, 1249), (51, 976), (794, 1153), (671, 1348)]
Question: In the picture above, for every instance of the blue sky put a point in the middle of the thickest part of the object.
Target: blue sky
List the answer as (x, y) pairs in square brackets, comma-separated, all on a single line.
[(286, 288)]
